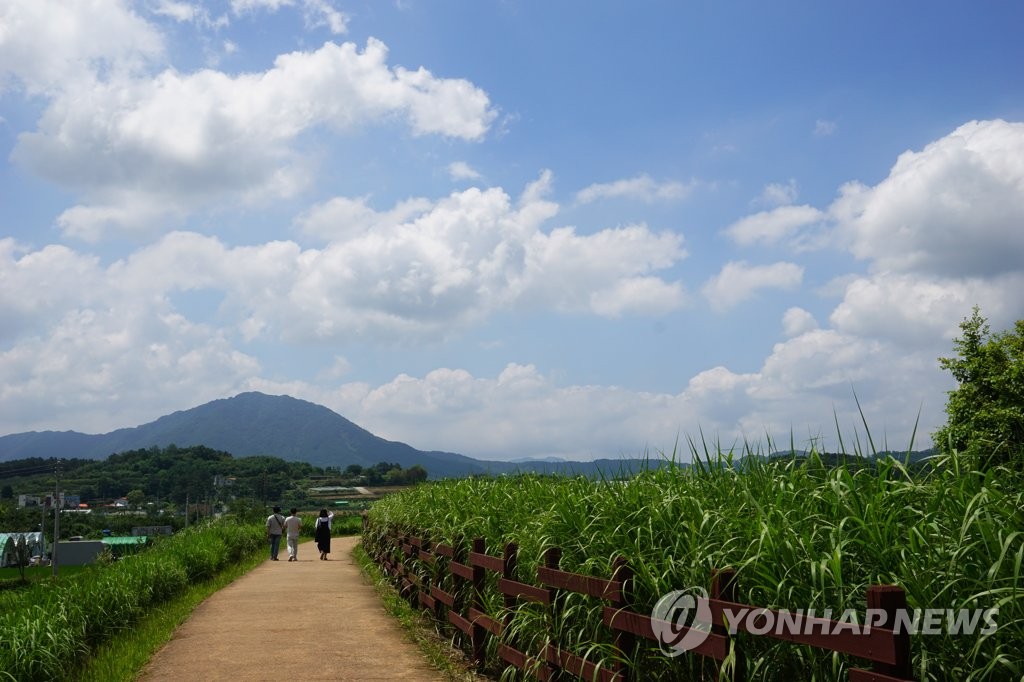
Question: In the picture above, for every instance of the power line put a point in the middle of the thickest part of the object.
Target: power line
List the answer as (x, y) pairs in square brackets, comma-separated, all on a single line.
[(27, 471)]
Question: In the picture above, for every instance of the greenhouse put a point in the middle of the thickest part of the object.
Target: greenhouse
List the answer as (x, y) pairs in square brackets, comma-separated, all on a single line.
[(9, 543)]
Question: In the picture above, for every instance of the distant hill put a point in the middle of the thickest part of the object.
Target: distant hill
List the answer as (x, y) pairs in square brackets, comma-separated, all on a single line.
[(280, 426)]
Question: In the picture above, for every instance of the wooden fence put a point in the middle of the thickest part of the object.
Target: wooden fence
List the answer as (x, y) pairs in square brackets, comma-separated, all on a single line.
[(450, 582)]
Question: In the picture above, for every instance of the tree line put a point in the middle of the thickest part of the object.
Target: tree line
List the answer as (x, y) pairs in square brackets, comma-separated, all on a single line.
[(174, 475)]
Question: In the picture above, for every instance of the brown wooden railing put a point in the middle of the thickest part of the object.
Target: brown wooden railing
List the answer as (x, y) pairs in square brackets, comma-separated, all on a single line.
[(423, 572)]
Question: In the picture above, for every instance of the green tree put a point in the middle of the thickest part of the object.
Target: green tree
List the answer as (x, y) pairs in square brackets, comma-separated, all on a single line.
[(6, 493), (135, 497), (415, 474), (985, 412)]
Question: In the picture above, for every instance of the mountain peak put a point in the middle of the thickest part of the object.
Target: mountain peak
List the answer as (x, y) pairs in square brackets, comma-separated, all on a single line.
[(250, 423)]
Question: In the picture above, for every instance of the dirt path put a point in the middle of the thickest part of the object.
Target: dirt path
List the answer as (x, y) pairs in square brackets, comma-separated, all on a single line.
[(304, 620)]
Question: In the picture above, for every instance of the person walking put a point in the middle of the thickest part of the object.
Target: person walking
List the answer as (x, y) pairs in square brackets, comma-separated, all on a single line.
[(322, 534), (275, 526), (292, 525)]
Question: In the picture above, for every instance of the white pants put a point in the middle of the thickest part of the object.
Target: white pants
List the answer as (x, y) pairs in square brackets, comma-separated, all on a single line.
[(293, 547)]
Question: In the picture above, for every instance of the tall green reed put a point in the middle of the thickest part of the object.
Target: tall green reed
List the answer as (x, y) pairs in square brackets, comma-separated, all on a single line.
[(799, 534)]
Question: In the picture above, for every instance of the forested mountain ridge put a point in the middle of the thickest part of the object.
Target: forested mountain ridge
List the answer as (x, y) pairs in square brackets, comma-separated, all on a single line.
[(172, 474), (246, 425), (255, 424)]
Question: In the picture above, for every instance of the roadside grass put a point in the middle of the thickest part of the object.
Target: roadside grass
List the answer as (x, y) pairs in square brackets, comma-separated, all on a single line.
[(124, 656), (440, 653), (798, 533), (347, 524), (10, 579)]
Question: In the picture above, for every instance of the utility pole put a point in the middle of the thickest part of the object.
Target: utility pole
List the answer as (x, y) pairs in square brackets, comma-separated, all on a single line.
[(56, 519)]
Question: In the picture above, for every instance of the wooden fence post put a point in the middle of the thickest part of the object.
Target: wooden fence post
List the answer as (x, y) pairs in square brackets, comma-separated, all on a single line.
[(478, 637), (458, 607), (723, 587), (552, 559), (892, 600), (625, 642), (509, 570)]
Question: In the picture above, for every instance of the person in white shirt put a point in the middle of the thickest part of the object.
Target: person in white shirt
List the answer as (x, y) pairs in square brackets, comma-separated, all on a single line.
[(275, 526), (292, 525)]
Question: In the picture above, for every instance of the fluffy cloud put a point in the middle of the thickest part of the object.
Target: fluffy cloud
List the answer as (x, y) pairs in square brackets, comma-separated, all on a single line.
[(93, 330), (449, 407), (316, 12), (796, 321), (921, 310), (939, 234), (143, 149), (738, 281), (813, 375), (779, 194), (46, 43), (460, 170), (343, 218), (84, 356), (770, 227), (69, 278), (642, 187), (422, 268), (954, 209), (189, 12)]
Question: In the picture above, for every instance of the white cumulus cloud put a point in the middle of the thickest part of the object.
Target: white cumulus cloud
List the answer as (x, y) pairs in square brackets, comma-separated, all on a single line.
[(142, 149), (460, 170), (47, 43), (955, 208), (739, 281), (771, 227), (643, 188)]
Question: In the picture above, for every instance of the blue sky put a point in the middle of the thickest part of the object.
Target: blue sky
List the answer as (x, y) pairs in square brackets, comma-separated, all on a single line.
[(507, 229)]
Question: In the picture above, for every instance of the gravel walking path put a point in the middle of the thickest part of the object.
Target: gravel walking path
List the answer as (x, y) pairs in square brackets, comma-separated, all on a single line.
[(303, 620)]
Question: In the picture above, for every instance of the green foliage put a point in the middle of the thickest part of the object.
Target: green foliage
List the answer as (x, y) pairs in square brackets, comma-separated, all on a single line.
[(174, 474), (800, 535), (49, 627), (135, 497), (985, 413)]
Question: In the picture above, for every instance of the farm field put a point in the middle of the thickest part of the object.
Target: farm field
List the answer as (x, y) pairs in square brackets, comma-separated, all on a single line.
[(798, 534)]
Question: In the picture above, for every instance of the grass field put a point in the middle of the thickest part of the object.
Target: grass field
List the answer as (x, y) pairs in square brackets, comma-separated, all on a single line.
[(799, 535)]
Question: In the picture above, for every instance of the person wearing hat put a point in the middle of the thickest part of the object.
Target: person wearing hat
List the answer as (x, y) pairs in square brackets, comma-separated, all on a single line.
[(275, 527)]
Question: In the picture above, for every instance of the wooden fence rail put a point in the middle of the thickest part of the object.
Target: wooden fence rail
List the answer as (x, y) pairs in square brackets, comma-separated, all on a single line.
[(450, 581)]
